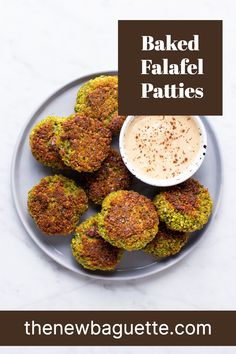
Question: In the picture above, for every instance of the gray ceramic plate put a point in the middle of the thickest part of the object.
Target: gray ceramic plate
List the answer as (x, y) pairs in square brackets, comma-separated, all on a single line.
[(26, 172)]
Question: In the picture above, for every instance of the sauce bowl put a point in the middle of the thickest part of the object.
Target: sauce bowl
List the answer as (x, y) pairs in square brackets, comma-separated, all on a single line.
[(186, 174)]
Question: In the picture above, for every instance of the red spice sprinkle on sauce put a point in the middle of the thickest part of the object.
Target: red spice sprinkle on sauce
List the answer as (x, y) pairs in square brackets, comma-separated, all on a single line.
[(157, 146)]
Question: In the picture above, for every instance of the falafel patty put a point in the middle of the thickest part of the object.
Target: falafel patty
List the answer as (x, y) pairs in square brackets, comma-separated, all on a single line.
[(98, 99), (83, 143), (185, 207), (167, 242), (56, 204), (91, 250), (128, 220), (111, 176), (42, 142)]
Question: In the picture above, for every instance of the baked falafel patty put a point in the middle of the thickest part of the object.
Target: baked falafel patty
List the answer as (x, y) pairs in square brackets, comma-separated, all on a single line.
[(110, 177), (98, 99), (42, 142), (128, 220), (91, 250), (185, 207), (83, 143), (167, 242), (56, 204)]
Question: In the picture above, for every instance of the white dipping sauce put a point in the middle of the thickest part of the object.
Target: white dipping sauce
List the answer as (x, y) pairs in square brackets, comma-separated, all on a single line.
[(161, 147)]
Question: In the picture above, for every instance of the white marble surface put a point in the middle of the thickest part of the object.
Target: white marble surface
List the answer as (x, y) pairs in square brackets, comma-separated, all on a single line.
[(45, 44)]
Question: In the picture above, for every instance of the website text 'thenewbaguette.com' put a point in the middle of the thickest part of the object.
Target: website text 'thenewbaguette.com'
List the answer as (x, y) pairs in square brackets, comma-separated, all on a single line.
[(116, 330)]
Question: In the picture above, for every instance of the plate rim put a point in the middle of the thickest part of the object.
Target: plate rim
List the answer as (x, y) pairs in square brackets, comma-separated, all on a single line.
[(45, 250)]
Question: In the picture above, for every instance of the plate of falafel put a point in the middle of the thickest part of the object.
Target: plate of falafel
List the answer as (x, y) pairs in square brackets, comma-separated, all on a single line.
[(84, 208)]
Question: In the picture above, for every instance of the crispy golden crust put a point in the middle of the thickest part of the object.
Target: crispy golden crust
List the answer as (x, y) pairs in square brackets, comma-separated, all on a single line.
[(167, 242), (184, 197), (111, 176), (42, 143), (128, 220), (98, 99), (56, 204), (90, 250), (83, 143), (185, 207)]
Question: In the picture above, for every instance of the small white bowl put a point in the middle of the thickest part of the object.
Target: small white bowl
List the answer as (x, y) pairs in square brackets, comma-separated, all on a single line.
[(189, 172)]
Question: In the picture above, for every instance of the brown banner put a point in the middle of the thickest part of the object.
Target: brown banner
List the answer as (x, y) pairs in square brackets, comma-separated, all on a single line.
[(124, 328), (151, 55)]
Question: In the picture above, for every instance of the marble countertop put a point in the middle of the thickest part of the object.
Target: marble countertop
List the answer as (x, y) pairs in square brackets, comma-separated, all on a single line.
[(44, 45)]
